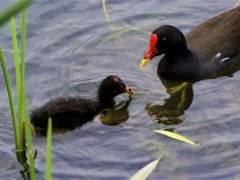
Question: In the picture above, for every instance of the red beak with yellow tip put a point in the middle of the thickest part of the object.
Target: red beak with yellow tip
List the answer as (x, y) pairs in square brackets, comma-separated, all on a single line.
[(152, 51)]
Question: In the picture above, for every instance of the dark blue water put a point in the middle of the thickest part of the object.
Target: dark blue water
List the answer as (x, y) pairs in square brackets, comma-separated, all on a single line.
[(71, 48)]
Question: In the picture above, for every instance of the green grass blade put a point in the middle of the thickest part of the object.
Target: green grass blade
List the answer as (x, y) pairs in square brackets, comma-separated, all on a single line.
[(147, 170), (30, 151), (21, 131), (18, 79), (176, 136), (23, 43), (48, 171), (11, 99), (13, 9), (28, 128), (23, 109), (22, 104)]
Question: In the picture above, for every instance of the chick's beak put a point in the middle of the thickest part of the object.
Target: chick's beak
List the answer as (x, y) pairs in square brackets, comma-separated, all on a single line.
[(128, 90)]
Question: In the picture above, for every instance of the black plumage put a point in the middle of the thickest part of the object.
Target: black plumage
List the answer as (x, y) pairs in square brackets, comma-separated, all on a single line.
[(70, 112), (210, 50)]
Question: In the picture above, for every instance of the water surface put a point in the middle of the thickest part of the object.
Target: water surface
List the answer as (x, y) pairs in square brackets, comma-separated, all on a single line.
[(70, 49)]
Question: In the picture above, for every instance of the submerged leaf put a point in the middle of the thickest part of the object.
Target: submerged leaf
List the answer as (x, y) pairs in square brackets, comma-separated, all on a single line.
[(146, 171), (176, 136), (104, 7), (118, 33)]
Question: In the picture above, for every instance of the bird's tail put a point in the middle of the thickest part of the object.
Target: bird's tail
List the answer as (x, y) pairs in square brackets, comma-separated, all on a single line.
[(237, 4)]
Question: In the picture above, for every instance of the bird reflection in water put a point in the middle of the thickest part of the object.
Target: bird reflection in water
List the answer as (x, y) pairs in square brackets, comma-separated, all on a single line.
[(181, 96), (117, 114)]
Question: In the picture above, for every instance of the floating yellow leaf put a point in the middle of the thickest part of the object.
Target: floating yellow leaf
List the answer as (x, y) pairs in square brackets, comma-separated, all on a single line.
[(143, 173), (176, 136)]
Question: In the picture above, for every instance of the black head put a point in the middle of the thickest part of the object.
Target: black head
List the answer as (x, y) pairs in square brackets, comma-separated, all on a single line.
[(169, 39), (165, 39), (110, 87)]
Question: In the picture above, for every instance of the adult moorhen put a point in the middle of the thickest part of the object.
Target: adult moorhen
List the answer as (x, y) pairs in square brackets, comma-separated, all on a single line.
[(209, 50)]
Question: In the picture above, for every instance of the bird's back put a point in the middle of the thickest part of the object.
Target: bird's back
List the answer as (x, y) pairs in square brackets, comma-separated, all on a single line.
[(66, 112), (217, 41)]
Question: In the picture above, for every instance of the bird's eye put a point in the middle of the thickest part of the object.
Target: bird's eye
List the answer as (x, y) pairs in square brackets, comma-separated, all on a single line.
[(121, 85), (164, 39)]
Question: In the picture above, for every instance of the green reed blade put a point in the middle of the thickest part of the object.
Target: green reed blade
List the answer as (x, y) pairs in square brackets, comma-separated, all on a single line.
[(23, 110), (29, 129), (30, 151), (11, 99), (13, 9), (23, 44), (18, 78), (22, 104), (48, 171), (21, 130)]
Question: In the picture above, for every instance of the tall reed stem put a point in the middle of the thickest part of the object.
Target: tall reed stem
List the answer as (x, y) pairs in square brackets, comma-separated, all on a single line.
[(48, 172), (11, 99), (18, 79)]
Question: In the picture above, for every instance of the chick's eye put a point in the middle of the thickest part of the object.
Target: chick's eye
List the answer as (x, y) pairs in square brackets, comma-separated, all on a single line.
[(121, 85)]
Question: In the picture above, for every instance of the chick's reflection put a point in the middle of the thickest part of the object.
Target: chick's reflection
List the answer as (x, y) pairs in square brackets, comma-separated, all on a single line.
[(115, 115)]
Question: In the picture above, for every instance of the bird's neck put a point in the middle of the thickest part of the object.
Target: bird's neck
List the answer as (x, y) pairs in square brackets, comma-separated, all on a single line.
[(178, 55), (105, 101), (183, 65)]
